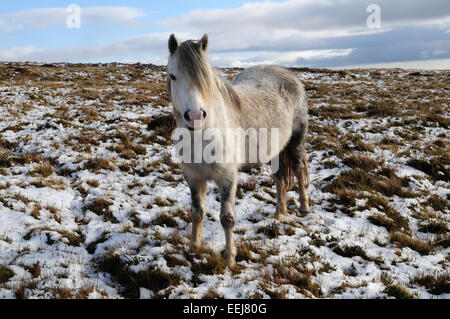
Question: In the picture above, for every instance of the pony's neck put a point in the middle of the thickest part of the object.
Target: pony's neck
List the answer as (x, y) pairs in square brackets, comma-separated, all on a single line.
[(228, 93)]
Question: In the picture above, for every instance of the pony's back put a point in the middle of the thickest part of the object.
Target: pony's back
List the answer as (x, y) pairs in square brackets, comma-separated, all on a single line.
[(271, 77)]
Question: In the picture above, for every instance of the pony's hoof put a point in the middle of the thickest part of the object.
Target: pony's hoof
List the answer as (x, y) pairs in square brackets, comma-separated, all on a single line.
[(305, 209), (231, 258), (279, 215), (194, 248), (231, 262)]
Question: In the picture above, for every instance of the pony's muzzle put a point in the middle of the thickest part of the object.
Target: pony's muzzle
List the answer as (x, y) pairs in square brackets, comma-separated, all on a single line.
[(195, 119)]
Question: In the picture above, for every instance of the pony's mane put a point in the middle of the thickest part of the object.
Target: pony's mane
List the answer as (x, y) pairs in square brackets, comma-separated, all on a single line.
[(194, 62)]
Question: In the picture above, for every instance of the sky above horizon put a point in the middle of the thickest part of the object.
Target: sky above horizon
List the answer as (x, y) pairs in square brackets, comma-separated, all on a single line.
[(295, 33)]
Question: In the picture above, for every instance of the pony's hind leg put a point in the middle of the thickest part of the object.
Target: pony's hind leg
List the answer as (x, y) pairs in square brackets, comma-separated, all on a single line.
[(297, 153), (198, 194), (303, 182), (227, 187), (281, 184)]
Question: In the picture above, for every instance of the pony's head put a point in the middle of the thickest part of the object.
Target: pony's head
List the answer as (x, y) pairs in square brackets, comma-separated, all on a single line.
[(190, 80)]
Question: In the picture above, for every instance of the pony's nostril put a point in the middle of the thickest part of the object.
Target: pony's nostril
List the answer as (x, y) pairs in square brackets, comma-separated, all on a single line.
[(187, 117), (205, 114)]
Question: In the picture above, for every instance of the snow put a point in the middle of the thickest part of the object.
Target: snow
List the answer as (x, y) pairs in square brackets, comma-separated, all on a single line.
[(26, 240)]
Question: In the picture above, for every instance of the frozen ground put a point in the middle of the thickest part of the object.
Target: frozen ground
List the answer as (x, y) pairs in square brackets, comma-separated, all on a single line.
[(92, 206)]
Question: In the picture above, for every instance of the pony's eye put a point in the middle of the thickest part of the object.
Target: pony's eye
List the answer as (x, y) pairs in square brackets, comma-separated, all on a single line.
[(173, 77)]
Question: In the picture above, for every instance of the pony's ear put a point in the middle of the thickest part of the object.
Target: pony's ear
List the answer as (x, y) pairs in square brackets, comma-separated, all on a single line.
[(173, 43), (204, 42)]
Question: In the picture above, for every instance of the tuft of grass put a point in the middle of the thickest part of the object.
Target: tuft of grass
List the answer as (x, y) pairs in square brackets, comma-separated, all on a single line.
[(153, 279), (438, 203), (272, 293), (360, 180), (173, 261), (101, 207), (162, 126), (357, 144), (272, 230), (214, 265), (128, 151), (36, 212), (392, 221), (244, 252), (350, 251), (93, 183), (288, 272), (435, 168), (403, 240), (289, 231), (163, 202), (382, 221), (303, 282), (361, 161), (248, 186), (435, 284), (346, 198), (97, 164), (211, 294), (398, 292), (74, 239), (44, 169), (5, 274), (84, 292), (62, 293), (35, 270), (165, 220), (8, 160), (20, 292), (434, 227), (317, 241), (262, 198), (91, 247), (156, 279)]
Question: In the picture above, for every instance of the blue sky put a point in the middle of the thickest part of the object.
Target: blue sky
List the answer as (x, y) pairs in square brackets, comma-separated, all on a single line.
[(313, 33), (95, 33)]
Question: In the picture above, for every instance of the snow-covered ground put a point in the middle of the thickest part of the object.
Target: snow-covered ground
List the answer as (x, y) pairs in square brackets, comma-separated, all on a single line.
[(92, 206)]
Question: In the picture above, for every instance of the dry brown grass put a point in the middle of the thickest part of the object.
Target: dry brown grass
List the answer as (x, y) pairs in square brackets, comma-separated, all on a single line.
[(392, 220), (395, 112), (403, 240), (152, 279), (101, 207), (436, 284), (361, 180), (98, 163)]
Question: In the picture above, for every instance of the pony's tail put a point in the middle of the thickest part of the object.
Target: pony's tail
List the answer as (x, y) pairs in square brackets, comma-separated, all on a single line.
[(286, 161)]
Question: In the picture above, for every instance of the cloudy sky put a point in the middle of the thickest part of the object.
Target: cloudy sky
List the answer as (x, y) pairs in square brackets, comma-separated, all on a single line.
[(312, 33)]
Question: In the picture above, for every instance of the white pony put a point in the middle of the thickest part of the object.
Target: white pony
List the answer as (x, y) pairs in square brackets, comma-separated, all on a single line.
[(260, 97)]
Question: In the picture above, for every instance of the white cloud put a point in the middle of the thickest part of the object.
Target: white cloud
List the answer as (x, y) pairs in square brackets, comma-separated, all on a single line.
[(291, 58), (299, 25), (291, 33), (44, 18), (312, 15), (154, 43), (14, 54)]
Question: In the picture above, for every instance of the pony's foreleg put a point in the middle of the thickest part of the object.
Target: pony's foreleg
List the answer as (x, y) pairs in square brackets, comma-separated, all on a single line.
[(227, 187), (198, 194)]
